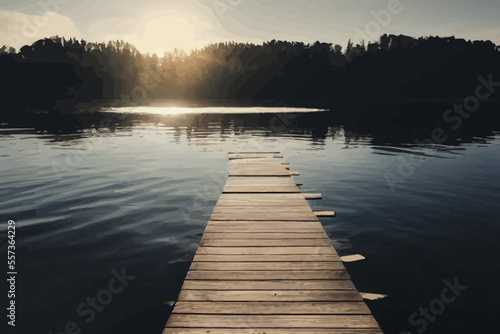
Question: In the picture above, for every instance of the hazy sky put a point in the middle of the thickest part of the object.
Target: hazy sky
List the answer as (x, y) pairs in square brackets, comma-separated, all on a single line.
[(161, 25)]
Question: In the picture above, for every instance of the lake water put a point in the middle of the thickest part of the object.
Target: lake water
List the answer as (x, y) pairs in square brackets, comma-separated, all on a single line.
[(136, 193)]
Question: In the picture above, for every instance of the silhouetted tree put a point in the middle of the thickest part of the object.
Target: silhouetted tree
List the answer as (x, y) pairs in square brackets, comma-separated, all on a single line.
[(59, 75)]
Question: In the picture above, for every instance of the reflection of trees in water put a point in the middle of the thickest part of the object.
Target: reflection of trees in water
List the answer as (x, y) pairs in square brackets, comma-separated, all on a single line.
[(387, 128)]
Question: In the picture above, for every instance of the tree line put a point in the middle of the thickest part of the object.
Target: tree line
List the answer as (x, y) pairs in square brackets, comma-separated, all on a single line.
[(68, 75)]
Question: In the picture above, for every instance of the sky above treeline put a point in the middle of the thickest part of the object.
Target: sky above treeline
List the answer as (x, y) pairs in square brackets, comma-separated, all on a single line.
[(158, 26)]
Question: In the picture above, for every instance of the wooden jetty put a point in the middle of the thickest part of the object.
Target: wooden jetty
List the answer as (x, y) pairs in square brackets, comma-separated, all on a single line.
[(265, 264)]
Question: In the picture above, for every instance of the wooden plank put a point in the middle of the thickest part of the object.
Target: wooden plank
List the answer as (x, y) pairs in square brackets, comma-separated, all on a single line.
[(269, 285), (324, 213), (260, 180), (271, 205), (266, 223), (257, 163), (270, 296), (260, 152), (265, 250), (268, 275), (306, 216), (263, 203), (352, 258), (260, 169), (263, 243), (260, 229), (284, 321), (264, 209), (269, 166), (272, 167), (260, 184), (246, 164), (263, 216), (266, 266), (258, 173), (312, 195), (264, 198), (187, 307), (267, 196), (264, 235), (261, 189), (287, 223), (266, 258), (251, 156), (279, 197), (261, 330)]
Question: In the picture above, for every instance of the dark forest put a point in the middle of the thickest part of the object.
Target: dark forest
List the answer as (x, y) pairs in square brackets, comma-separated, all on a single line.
[(61, 76)]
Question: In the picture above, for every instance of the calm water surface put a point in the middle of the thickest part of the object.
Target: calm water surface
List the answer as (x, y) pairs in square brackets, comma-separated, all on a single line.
[(138, 196)]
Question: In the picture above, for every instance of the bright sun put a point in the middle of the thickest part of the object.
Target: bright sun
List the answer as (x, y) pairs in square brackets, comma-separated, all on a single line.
[(160, 34), (168, 33)]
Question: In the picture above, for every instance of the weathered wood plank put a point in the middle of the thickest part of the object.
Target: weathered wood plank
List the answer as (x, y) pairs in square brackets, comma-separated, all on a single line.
[(257, 163), (271, 296), (312, 195), (260, 180), (266, 266), (266, 258), (264, 216), (288, 223), (269, 285), (270, 211), (263, 243), (265, 204), (250, 156), (261, 189), (264, 235), (261, 330), (263, 172), (265, 250), (260, 152), (278, 198), (268, 275), (263, 223), (187, 307), (306, 216), (243, 196), (266, 209), (261, 229), (284, 321), (325, 213), (260, 184)]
